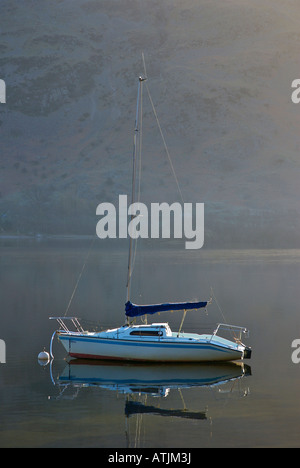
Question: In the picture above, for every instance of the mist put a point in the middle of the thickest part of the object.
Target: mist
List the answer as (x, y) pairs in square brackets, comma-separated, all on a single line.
[(220, 75)]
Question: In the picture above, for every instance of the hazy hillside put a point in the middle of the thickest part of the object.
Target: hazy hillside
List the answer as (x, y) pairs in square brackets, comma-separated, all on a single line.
[(220, 73)]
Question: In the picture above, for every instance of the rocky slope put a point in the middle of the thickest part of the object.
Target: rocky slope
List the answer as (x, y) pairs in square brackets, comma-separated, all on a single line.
[(220, 74)]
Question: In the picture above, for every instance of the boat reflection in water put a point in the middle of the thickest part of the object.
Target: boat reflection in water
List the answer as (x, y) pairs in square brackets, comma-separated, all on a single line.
[(138, 382), (154, 379)]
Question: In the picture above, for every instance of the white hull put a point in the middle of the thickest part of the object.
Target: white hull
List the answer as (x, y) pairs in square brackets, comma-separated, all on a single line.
[(119, 345)]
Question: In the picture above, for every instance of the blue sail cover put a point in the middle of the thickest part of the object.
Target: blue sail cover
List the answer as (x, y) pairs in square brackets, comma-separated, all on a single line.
[(132, 310)]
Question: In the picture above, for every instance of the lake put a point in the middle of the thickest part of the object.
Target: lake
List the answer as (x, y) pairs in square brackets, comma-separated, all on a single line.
[(85, 404)]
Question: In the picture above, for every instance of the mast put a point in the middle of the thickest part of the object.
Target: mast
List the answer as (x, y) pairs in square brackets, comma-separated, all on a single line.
[(134, 169)]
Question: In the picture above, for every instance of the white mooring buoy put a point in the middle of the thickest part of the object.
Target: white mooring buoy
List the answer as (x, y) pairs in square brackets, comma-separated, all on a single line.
[(43, 357)]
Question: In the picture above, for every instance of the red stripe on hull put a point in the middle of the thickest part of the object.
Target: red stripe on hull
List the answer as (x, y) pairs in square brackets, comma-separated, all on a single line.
[(92, 356), (111, 358)]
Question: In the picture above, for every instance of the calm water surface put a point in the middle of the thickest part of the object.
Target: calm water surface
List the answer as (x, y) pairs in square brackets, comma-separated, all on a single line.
[(156, 406)]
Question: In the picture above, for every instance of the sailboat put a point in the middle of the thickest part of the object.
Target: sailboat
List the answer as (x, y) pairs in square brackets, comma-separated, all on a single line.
[(154, 342)]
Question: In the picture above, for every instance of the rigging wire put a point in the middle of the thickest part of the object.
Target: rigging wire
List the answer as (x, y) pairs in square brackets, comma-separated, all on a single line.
[(137, 143), (221, 312), (138, 169), (165, 143), (138, 163), (79, 277), (137, 172), (144, 63)]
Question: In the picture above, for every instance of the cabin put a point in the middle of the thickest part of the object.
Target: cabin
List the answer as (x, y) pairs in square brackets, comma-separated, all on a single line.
[(155, 330)]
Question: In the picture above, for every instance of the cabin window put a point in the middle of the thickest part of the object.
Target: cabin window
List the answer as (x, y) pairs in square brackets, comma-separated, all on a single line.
[(147, 333)]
